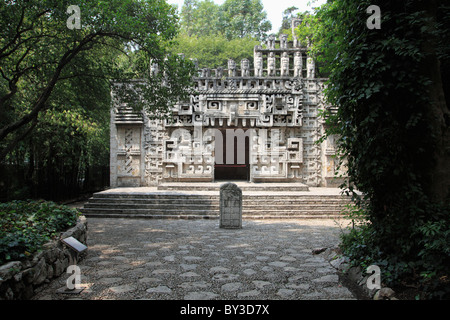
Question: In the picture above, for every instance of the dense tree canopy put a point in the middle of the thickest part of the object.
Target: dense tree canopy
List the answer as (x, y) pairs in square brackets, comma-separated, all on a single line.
[(212, 34), (215, 50), (242, 18), (288, 15), (55, 77), (233, 19), (392, 88)]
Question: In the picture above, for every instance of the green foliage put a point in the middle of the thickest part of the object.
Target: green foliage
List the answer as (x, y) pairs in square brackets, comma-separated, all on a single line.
[(55, 85), (355, 213), (288, 15), (428, 271), (242, 18), (26, 225), (214, 51), (389, 88), (233, 19), (212, 34), (200, 18), (45, 64), (357, 244)]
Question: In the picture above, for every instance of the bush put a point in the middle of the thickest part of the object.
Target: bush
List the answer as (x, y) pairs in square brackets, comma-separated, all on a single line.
[(26, 225), (428, 271)]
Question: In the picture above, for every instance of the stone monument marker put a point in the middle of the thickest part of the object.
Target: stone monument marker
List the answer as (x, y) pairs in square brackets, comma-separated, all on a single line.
[(230, 206)]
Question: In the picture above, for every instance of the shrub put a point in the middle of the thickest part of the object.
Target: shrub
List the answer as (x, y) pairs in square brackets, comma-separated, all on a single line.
[(26, 225), (428, 270)]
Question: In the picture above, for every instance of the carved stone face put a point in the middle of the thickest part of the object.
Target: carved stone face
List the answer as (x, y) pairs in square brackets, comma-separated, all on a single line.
[(231, 64), (244, 64)]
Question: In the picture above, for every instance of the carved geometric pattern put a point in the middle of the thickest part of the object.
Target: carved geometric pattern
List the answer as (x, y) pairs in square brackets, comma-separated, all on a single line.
[(278, 98), (128, 146)]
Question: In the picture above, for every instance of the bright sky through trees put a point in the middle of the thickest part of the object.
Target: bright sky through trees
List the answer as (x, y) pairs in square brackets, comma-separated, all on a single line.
[(273, 8)]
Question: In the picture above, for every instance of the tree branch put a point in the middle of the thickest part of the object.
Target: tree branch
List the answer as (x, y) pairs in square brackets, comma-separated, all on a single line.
[(40, 103), (19, 138)]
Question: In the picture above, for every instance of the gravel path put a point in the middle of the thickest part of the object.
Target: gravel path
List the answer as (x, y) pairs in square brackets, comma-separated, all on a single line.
[(130, 259)]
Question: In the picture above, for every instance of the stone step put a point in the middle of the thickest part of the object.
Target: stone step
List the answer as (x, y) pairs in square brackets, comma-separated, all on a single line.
[(154, 211), (115, 210), (188, 217), (154, 196), (244, 186), (215, 203), (195, 204), (195, 198), (215, 207)]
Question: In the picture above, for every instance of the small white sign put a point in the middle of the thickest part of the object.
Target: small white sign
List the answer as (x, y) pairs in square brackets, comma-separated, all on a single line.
[(74, 244)]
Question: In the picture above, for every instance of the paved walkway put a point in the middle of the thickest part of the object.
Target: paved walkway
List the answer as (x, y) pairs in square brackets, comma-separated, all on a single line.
[(195, 260)]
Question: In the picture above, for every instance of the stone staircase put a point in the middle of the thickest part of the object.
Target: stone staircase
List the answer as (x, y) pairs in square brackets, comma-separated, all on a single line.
[(183, 204), (244, 186)]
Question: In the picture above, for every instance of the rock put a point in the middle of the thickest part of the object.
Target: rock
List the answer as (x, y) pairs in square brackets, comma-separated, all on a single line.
[(278, 264), (354, 274), (318, 251), (247, 294), (159, 289), (122, 289), (249, 272), (27, 275), (376, 296), (58, 268), (334, 278), (285, 292), (50, 272), (201, 295), (337, 262), (8, 270), (40, 272), (9, 295), (344, 267), (386, 293), (363, 280), (260, 284), (233, 286), (189, 274)]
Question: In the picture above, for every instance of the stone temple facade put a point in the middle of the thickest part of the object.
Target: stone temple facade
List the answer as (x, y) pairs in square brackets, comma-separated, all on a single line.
[(257, 123)]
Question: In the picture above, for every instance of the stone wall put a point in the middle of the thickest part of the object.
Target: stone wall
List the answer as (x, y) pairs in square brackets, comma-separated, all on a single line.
[(19, 279)]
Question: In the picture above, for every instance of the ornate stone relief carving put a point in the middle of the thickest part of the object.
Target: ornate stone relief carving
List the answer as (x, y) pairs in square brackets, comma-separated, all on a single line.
[(278, 100)]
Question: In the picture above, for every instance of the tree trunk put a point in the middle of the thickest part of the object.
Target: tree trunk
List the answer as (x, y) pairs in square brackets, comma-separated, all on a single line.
[(438, 187)]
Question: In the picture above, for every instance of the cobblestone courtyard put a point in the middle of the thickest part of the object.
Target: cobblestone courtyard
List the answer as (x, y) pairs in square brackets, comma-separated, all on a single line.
[(195, 260)]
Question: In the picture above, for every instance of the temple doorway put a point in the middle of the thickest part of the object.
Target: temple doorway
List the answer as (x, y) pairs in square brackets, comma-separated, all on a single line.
[(232, 156)]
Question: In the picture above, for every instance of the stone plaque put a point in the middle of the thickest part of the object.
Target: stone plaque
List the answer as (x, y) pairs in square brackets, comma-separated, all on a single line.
[(74, 244), (230, 206)]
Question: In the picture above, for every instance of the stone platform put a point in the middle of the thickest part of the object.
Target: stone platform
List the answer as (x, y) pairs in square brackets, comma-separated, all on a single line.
[(201, 200), (244, 186)]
